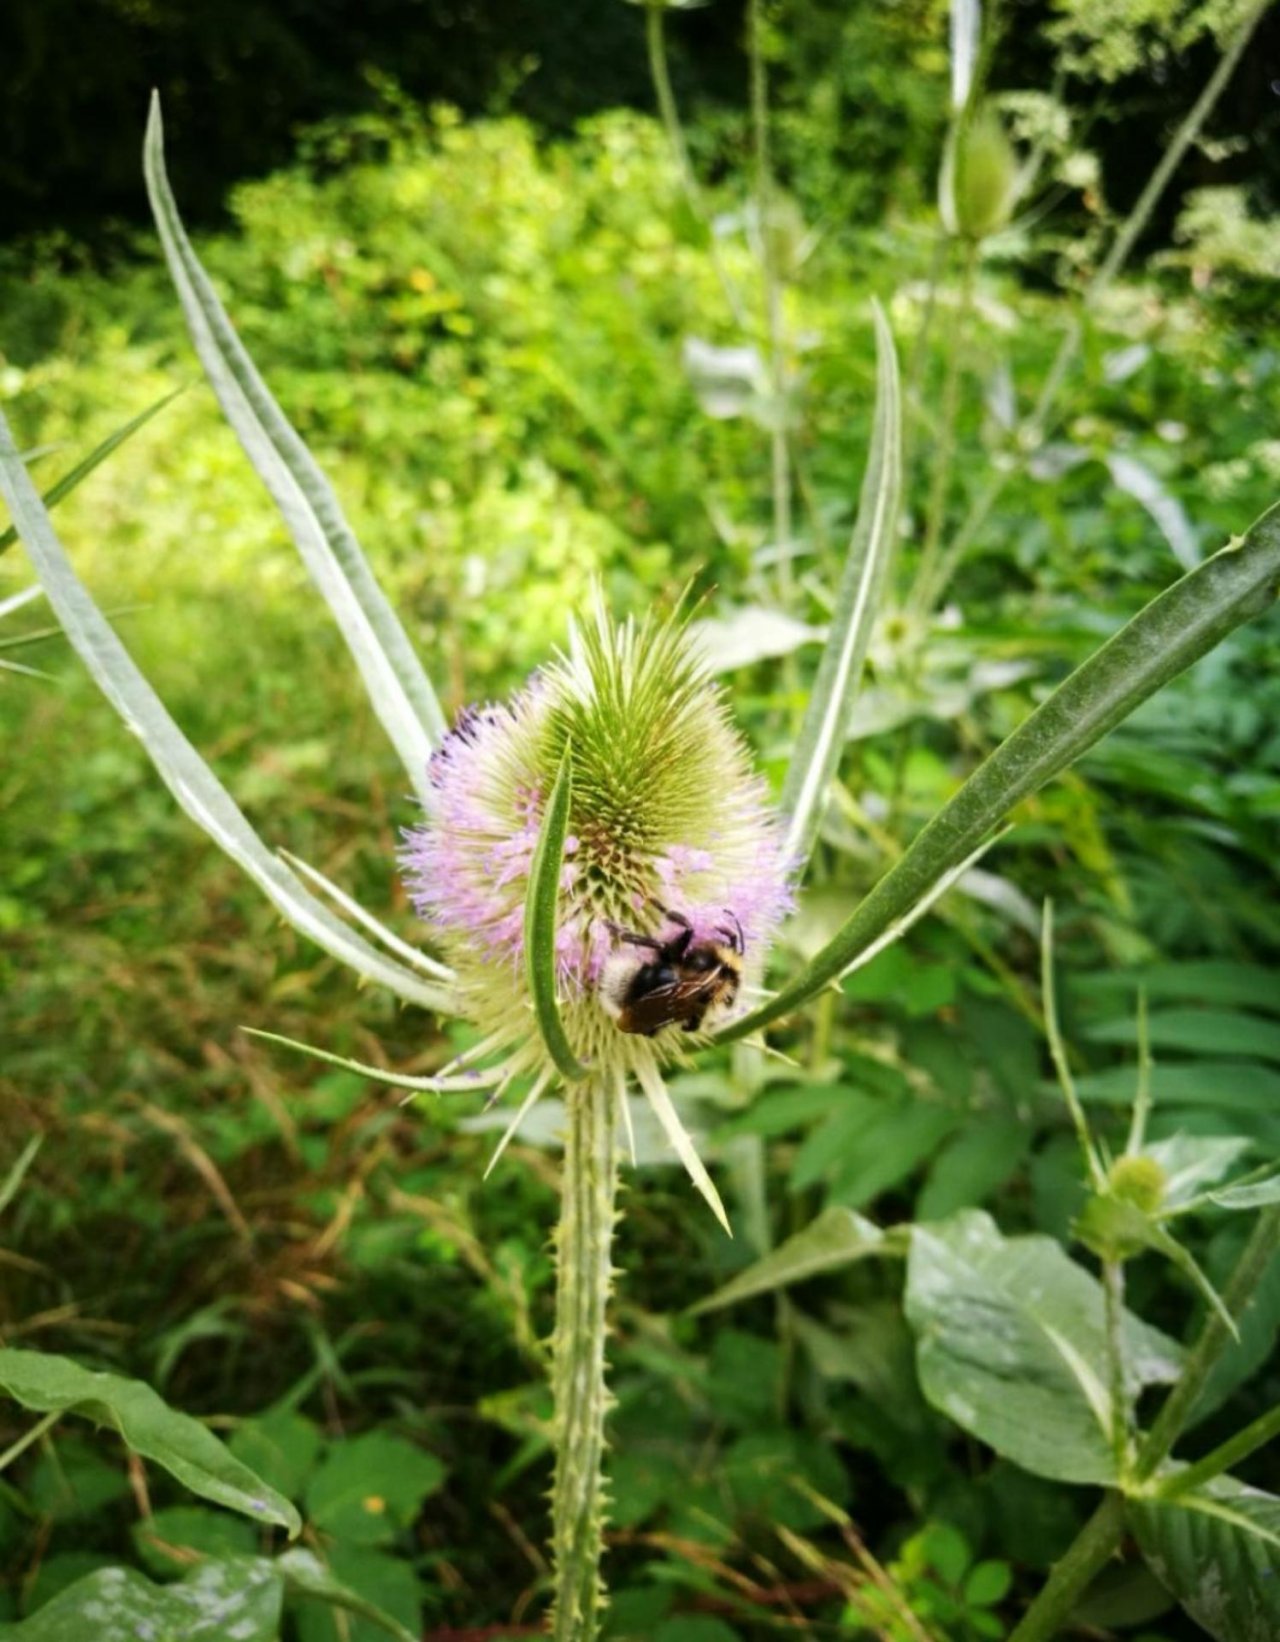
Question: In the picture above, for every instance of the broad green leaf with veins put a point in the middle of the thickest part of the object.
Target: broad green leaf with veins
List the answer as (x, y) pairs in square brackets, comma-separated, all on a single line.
[(1011, 1345)]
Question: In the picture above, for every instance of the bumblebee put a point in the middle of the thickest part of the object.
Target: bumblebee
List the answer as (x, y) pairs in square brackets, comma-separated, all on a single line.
[(680, 980)]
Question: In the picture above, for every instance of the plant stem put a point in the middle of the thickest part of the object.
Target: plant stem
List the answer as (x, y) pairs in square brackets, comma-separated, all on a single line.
[(1086, 1554), (1033, 428), (1227, 1454), (584, 1279), (1113, 1292), (769, 228), (1214, 1336), (1101, 1534), (669, 113), (944, 459), (28, 1437)]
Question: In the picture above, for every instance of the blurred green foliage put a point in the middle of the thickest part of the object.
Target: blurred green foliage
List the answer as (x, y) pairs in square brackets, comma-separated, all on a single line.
[(479, 330)]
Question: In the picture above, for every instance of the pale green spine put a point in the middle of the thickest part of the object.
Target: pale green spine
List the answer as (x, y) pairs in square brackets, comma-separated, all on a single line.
[(585, 1270)]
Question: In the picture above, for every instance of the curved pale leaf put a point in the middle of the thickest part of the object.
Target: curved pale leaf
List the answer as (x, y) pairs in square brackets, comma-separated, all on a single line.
[(401, 693), (650, 1080), (47, 1384), (1218, 1551), (836, 1238), (1163, 639), (826, 719), (541, 909), (1255, 1194), (1011, 1344), (181, 767)]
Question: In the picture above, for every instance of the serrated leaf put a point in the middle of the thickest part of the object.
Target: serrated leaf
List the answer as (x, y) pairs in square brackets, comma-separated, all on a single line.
[(399, 690), (180, 766), (1011, 1344), (836, 1238), (182, 1446), (218, 1600), (1174, 630), (827, 715), (541, 912), (1218, 1551)]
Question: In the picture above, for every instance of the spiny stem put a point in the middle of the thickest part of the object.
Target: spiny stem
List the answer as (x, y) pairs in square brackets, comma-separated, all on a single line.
[(584, 1278)]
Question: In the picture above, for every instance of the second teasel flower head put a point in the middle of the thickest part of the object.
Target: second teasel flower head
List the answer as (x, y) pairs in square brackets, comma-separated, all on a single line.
[(669, 826)]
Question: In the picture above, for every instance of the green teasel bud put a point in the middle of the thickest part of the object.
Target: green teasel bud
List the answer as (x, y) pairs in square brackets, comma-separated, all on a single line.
[(1119, 1222), (1113, 1229), (980, 180), (1138, 1180)]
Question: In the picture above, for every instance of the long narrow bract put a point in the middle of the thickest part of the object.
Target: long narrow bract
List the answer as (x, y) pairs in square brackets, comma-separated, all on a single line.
[(180, 766), (826, 720), (399, 690), (1165, 637)]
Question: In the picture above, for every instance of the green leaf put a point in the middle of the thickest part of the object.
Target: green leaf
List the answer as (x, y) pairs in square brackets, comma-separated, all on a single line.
[(826, 721), (363, 1583), (988, 1584), (1011, 1344), (1192, 1162), (11, 1182), (218, 1600), (836, 1238), (369, 1488), (1249, 1196), (399, 690), (180, 766), (1205, 981), (1198, 1031), (1174, 630), (973, 1164), (181, 1445), (541, 909), (281, 1447), (69, 480), (169, 1541), (1218, 1551), (1228, 1086)]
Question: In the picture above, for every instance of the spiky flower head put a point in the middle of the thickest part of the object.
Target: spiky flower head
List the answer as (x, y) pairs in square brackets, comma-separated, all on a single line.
[(668, 825)]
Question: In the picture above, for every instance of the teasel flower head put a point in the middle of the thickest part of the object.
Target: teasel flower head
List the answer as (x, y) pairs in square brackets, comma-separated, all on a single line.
[(669, 829)]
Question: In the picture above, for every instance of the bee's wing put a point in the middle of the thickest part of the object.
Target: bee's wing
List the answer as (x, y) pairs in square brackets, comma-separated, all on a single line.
[(671, 1003)]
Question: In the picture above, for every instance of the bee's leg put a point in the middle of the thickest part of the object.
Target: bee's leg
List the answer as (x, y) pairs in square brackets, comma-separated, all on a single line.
[(631, 937), (680, 945), (693, 1023)]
